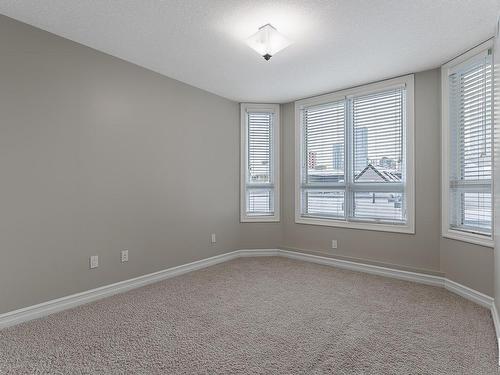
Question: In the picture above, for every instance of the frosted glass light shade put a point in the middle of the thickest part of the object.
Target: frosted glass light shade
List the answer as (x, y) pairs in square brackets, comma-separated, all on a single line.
[(267, 41)]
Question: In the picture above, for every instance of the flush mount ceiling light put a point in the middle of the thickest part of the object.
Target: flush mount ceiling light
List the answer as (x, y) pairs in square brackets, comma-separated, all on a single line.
[(267, 41)]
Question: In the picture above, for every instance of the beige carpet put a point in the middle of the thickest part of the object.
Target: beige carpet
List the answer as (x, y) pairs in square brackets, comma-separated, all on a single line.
[(261, 316)]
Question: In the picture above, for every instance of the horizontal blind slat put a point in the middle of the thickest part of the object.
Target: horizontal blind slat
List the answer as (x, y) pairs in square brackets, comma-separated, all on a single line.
[(259, 201), (470, 120), (324, 138), (378, 133)]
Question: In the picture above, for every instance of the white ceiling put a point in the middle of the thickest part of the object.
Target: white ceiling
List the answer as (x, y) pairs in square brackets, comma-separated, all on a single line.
[(337, 43)]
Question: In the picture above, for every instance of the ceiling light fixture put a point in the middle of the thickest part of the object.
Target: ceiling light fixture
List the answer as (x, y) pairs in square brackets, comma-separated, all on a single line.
[(267, 41)]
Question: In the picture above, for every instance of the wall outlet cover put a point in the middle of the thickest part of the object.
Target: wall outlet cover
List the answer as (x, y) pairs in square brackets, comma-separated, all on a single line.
[(124, 256), (94, 261), (334, 244)]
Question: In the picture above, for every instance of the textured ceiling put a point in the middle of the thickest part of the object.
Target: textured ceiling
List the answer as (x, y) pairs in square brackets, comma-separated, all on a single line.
[(337, 43)]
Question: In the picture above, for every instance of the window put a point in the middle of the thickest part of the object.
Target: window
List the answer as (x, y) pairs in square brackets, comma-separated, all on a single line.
[(467, 147), (354, 158), (260, 162)]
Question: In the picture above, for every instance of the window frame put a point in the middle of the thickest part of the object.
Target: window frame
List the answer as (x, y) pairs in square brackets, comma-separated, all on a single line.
[(446, 230), (274, 109), (409, 188)]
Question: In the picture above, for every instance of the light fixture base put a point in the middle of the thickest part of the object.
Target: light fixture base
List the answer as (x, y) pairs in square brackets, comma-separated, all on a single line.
[(267, 41)]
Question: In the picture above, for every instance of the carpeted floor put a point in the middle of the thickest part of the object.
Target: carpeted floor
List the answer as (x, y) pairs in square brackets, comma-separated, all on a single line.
[(261, 316)]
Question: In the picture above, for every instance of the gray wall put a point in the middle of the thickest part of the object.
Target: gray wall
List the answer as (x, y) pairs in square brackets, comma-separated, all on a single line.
[(99, 155), (468, 264)]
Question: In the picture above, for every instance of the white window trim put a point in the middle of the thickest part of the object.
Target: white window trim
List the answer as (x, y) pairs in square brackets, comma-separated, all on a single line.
[(409, 227), (446, 231), (276, 176)]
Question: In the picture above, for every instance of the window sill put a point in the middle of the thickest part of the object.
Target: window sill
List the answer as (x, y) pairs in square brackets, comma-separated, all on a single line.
[(408, 228), (475, 239), (259, 219)]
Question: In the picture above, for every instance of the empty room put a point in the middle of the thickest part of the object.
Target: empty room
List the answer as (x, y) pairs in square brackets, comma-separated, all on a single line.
[(249, 187)]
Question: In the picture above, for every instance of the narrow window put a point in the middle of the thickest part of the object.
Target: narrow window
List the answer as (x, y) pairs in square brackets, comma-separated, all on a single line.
[(259, 162), (467, 147)]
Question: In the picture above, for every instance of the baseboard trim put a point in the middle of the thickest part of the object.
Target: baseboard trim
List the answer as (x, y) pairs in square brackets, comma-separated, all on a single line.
[(468, 293), (496, 323), (67, 302), (421, 278), (46, 308)]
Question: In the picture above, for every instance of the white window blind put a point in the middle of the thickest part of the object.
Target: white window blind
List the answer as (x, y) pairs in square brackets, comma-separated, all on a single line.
[(259, 194), (378, 156), (353, 162), (259, 153), (324, 159), (470, 139)]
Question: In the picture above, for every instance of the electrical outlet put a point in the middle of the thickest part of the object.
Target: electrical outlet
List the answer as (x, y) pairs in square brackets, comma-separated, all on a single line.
[(94, 261), (334, 244), (213, 239), (124, 256)]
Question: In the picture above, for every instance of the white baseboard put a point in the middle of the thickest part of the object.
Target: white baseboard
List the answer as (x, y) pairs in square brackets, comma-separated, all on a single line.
[(45, 308), (468, 293), (496, 323), (50, 307), (256, 253), (366, 268)]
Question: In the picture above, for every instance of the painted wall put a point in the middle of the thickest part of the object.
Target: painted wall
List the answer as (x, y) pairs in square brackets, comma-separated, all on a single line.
[(99, 155), (468, 264)]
